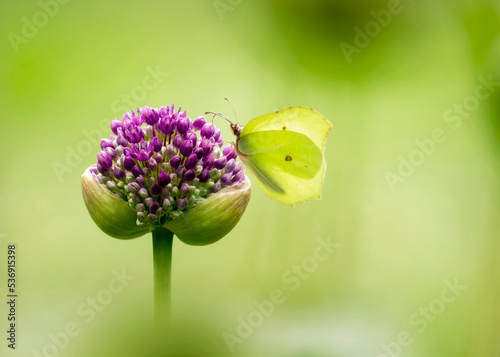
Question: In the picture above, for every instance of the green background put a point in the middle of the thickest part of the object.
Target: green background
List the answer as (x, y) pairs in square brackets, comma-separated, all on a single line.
[(399, 244)]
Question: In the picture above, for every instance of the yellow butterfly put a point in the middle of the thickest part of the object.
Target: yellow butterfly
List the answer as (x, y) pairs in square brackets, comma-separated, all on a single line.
[(284, 151)]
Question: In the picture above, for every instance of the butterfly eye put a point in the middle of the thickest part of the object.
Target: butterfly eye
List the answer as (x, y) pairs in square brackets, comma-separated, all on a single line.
[(288, 158)]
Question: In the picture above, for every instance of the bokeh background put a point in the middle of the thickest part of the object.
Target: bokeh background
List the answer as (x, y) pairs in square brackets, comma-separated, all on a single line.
[(403, 233)]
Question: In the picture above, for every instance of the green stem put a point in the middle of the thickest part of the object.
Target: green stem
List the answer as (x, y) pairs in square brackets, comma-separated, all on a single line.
[(162, 260)]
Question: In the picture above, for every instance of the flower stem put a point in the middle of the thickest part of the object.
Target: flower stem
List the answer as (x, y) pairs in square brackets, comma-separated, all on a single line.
[(162, 260)]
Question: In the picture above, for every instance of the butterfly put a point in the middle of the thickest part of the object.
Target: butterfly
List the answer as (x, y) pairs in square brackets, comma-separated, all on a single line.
[(284, 152)]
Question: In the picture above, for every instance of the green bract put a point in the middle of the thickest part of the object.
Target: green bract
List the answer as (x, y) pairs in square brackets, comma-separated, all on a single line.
[(214, 217), (204, 223), (110, 212)]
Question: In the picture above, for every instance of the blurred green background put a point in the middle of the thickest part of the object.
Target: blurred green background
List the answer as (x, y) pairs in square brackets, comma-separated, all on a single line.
[(410, 215)]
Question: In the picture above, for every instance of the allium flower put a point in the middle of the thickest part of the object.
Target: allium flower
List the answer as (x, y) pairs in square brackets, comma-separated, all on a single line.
[(163, 165), (164, 173)]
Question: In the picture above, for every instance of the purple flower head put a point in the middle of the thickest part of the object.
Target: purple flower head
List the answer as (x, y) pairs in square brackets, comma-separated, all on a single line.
[(162, 163)]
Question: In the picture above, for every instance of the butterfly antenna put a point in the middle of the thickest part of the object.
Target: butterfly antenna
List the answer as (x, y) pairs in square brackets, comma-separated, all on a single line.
[(234, 111), (219, 115)]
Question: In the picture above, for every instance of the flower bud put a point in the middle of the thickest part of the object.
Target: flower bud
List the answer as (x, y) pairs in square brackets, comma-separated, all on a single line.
[(153, 165), (186, 147), (191, 161), (136, 171), (177, 142), (183, 126), (116, 126), (155, 144), (189, 175), (175, 161), (163, 178), (128, 163), (208, 130), (118, 173), (199, 123), (155, 189)]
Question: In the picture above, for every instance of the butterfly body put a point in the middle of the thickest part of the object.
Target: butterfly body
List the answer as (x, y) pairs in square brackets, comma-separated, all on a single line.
[(283, 151)]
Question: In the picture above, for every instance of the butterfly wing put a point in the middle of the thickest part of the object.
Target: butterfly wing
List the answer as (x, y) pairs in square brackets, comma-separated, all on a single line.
[(299, 119), (284, 152)]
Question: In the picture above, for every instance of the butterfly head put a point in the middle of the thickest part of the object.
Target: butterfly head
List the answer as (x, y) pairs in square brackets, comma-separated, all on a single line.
[(236, 129)]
